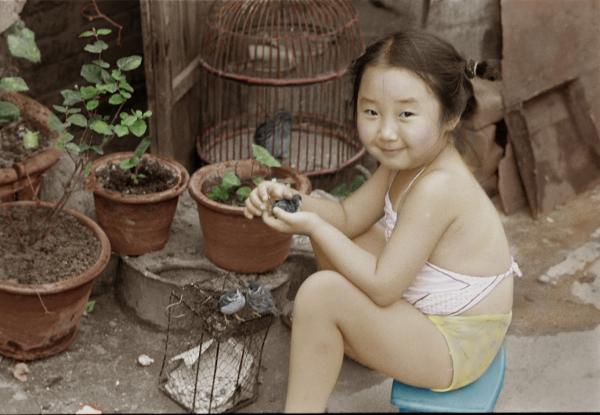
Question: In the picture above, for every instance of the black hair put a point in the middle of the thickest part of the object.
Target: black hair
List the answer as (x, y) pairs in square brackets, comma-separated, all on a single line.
[(436, 61)]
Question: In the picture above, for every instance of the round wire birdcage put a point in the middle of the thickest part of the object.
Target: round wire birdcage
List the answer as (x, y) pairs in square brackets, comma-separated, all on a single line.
[(275, 73)]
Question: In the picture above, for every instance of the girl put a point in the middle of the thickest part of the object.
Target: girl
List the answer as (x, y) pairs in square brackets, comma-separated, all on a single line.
[(427, 298)]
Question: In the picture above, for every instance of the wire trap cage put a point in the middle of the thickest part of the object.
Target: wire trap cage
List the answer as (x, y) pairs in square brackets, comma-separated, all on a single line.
[(275, 73), (211, 362)]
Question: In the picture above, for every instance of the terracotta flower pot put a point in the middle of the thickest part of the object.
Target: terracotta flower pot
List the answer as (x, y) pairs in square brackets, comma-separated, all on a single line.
[(41, 320), (232, 241), (22, 181), (137, 224)]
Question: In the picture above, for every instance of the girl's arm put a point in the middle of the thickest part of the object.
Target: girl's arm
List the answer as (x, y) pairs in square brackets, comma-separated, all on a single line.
[(353, 216), (426, 214)]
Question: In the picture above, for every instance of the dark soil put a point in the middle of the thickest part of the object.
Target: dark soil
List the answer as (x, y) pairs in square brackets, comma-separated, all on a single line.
[(156, 178), (11, 142), (68, 249)]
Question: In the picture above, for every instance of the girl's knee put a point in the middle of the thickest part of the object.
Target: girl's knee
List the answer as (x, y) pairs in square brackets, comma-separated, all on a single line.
[(317, 290)]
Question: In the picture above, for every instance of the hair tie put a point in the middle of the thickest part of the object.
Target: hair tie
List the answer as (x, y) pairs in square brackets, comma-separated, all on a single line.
[(471, 69)]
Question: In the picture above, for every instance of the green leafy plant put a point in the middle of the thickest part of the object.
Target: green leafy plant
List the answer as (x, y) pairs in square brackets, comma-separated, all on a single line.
[(21, 44), (344, 190), (230, 182)]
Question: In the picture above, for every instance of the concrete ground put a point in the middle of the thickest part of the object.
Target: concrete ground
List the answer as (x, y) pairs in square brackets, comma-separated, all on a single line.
[(552, 345)]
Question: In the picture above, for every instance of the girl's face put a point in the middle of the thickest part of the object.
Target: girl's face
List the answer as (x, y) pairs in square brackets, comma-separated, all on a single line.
[(398, 118)]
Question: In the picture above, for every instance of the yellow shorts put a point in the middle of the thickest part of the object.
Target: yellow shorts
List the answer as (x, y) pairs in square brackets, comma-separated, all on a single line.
[(473, 342)]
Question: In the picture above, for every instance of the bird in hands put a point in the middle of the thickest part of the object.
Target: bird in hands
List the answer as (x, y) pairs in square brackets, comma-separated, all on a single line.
[(231, 302), (260, 299), (275, 134), (289, 205)]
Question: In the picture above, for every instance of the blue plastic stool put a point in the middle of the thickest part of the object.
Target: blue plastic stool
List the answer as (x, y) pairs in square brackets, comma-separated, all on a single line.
[(479, 396)]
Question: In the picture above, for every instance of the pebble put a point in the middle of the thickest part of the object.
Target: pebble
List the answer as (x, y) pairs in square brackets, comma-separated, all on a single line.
[(145, 360)]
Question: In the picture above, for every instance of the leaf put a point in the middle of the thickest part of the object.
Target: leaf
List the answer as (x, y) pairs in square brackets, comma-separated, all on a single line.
[(97, 150), (88, 92), (101, 63), (8, 112), (147, 114), (138, 128), (73, 148), (110, 87), (87, 33), (101, 127), (116, 99), (129, 163), (89, 306), (218, 193), (106, 76), (60, 109), (242, 193), (230, 180), (78, 120), (92, 104), (117, 75), (341, 191), (64, 139), (103, 32), (96, 47), (129, 63), (87, 169), (91, 73), (13, 83), (257, 180), (263, 156), (54, 123), (123, 84), (125, 94), (121, 130), (142, 147), (31, 139), (21, 43), (70, 97), (357, 181)]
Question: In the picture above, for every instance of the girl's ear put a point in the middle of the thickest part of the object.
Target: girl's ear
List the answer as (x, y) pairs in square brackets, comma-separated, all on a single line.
[(452, 123)]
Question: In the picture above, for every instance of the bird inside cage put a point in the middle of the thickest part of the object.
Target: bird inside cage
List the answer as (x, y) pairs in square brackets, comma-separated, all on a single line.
[(275, 134)]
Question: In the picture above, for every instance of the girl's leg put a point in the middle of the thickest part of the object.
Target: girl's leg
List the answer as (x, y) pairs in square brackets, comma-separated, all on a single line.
[(332, 316)]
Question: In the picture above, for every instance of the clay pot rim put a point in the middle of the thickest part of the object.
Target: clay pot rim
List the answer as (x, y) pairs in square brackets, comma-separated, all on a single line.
[(170, 193), (206, 172), (38, 161), (67, 283)]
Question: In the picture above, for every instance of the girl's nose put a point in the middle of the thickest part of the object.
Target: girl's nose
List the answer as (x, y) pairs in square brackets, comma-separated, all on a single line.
[(388, 130)]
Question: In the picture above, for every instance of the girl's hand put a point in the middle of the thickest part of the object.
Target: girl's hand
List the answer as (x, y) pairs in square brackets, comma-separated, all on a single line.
[(303, 223), (260, 199)]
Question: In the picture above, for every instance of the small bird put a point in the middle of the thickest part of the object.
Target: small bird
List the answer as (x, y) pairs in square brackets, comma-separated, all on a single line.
[(231, 302), (275, 134), (289, 205), (260, 299)]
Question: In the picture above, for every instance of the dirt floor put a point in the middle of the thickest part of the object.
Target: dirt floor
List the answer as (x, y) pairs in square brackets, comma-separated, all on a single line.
[(101, 367)]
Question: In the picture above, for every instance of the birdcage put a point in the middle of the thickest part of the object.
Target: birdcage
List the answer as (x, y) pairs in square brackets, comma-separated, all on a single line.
[(211, 362), (275, 73)]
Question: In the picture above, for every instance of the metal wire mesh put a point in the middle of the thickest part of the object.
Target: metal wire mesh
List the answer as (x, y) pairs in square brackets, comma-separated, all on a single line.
[(211, 364), (264, 57)]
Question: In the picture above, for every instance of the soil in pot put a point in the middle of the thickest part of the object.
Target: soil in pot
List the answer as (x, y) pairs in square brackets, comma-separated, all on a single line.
[(69, 248), (11, 142), (153, 177)]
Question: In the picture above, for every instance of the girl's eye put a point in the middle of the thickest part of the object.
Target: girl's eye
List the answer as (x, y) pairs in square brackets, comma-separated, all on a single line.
[(370, 112), (406, 114)]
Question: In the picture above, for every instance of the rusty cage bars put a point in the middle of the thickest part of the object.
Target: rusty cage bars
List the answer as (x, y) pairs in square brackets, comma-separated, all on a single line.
[(261, 57)]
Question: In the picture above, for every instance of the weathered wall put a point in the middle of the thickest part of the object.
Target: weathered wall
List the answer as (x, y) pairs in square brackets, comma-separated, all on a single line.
[(57, 25), (473, 27)]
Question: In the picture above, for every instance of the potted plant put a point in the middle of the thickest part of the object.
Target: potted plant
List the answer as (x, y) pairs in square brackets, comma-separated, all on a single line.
[(26, 143), (136, 196), (232, 241), (51, 255)]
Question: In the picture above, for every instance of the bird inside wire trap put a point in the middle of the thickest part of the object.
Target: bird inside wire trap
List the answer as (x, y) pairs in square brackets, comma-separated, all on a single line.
[(231, 302), (275, 134), (260, 300)]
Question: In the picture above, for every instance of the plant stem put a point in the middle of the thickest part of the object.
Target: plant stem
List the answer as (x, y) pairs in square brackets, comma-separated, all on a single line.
[(100, 15)]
